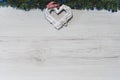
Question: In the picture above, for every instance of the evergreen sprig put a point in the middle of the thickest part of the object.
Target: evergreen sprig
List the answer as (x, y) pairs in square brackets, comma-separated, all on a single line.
[(110, 5)]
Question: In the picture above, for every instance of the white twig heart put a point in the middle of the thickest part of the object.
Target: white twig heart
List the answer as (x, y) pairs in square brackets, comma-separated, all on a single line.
[(61, 22)]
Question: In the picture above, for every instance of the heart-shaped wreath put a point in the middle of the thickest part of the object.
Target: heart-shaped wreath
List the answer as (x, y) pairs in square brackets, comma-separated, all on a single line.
[(58, 24)]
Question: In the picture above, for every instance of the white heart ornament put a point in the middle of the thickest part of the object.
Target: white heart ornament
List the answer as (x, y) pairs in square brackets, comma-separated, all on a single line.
[(58, 24)]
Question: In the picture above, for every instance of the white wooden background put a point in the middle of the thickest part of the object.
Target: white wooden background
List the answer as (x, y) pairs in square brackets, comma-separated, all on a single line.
[(32, 49)]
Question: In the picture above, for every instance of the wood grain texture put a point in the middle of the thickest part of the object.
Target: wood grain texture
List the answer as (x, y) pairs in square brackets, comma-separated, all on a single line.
[(90, 46)]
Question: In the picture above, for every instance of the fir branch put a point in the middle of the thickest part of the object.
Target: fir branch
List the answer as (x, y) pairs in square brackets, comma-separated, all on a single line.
[(110, 5)]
